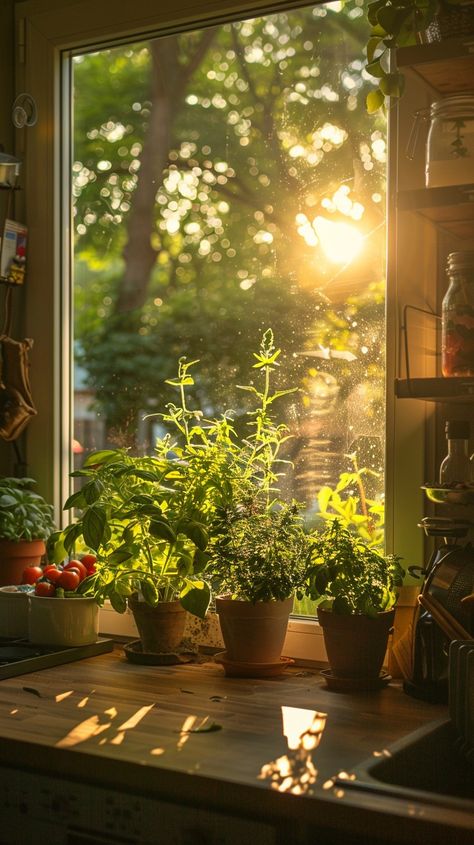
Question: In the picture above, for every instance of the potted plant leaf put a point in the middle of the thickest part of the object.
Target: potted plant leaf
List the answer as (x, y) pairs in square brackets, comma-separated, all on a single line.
[(26, 521), (148, 544), (258, 550), (402, 23), (355, 589)]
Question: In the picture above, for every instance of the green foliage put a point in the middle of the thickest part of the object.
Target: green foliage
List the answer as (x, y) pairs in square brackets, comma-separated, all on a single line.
[(394, 23), (258, 549), (24, 514), (145, 536), (353, 510), (348, 577)]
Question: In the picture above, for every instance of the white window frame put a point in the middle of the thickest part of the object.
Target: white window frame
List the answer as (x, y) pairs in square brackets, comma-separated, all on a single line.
[(48, 31)]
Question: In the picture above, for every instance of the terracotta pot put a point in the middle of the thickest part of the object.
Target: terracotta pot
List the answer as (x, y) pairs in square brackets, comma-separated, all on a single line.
[(62, 622), (15, 556), (161, 628), (355, 644), (253, 633)]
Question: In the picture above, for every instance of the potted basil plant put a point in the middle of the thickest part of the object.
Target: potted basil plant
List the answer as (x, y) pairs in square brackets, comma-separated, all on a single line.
[(26, 521), (356, 590), (149, 546)]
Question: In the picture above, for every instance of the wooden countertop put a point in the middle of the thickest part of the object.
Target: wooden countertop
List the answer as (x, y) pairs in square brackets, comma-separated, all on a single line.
[(121, 725)]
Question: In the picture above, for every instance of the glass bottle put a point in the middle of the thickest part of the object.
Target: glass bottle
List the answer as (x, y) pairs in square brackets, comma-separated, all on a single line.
[(450, 142), (457, 316), (456, 466)]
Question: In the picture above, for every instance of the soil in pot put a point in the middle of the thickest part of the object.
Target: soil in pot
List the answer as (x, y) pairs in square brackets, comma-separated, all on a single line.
[(253, 633), (16, 556), (161, 628), (355, 644)]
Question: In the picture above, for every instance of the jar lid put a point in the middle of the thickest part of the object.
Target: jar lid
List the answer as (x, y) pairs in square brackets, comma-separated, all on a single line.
[(455, 103), (457, 429), (460, 261)]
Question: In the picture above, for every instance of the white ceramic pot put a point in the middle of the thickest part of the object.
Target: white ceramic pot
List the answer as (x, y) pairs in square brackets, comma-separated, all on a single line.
[(13, 613), (62, 622)]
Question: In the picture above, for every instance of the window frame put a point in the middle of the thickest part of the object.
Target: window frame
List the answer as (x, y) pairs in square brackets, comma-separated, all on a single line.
[(48, 31)]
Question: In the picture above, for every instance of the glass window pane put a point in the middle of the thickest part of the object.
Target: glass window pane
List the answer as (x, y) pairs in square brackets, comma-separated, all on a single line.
[(226, 181)]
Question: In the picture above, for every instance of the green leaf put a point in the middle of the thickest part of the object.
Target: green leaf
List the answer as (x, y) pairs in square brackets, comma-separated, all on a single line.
[(200, 561), (119, 556), (91, 492), (196, 597), (76, 500), (162, 530), (118, 602), (184, 565), (375, 69), (197, 532), (372, 45), (374, 101), (149, 591), (102, 456), (71, 534), (95, 529)]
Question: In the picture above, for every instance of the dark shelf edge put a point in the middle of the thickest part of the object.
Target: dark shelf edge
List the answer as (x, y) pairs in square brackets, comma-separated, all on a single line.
[(419, 54), (418, 199), (436, 389)]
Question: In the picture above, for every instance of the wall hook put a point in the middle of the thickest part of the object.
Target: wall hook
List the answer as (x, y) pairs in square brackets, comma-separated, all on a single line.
[(24, 111)]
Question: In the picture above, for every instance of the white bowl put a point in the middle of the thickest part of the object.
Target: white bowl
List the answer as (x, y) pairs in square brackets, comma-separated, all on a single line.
[(13, 612), (63, 622)]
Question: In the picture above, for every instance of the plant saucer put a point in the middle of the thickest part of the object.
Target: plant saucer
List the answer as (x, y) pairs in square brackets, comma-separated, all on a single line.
[(234, 669), (355, 684), (135, 654)]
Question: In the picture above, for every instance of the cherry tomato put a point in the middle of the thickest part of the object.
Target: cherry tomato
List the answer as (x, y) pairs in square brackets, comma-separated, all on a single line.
[(45, 589), (69, 580), (52, 573), (31, 574), (78, 566), (89, 562)]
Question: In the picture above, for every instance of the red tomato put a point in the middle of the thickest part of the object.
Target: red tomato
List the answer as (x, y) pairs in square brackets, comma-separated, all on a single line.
[(52, 573), (31, 574), (78, 566), (44, 588), (89, 562), (69, 579)]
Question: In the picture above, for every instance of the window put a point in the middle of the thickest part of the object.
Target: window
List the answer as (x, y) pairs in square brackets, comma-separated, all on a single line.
[(267, 207), (227, 180)]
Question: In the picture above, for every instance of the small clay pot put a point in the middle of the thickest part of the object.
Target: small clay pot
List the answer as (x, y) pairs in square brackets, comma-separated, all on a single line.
[(253, 633), (355, 644), (161, 628)]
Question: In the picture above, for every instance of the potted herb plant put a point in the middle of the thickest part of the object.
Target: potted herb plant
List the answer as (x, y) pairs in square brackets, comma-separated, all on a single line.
[(405, 22), (258, 550), (148, 544), (355, 589), (26, 521)]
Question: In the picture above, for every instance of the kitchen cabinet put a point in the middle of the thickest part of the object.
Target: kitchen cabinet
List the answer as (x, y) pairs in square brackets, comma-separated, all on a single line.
[(435, 70)]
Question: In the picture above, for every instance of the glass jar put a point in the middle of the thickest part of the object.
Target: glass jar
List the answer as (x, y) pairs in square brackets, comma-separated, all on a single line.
[(457, 317), (450, 143)]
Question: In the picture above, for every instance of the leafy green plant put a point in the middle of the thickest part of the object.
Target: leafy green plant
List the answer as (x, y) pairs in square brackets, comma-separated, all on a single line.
[(348, 577), (24, 514), (144, 536), (395, 23), (349, 504), (258, 549)]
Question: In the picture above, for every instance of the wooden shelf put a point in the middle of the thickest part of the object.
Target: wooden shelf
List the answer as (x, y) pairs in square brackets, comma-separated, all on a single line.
[(450, 208), (448, 66), (459, 390)]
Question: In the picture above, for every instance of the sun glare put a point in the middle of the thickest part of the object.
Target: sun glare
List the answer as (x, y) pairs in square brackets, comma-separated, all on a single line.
[(340, 242)]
